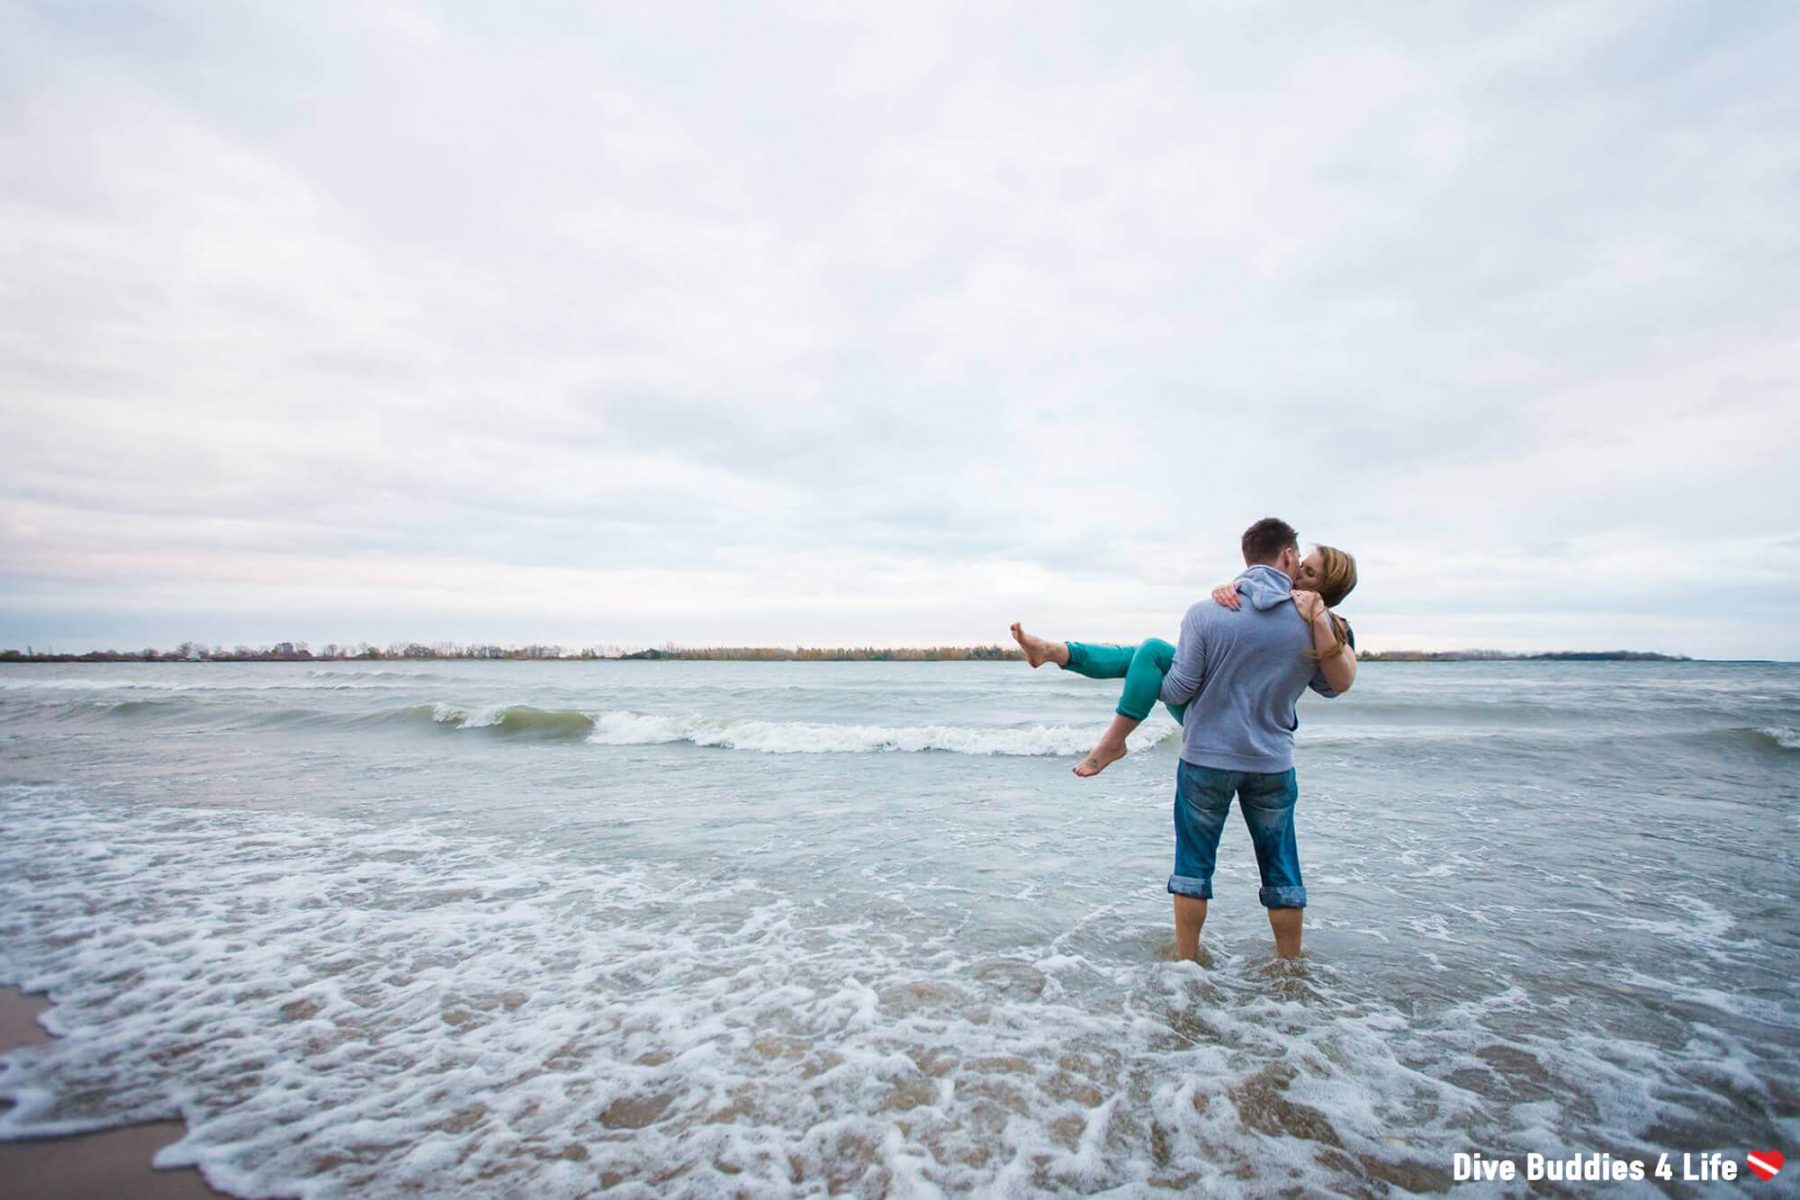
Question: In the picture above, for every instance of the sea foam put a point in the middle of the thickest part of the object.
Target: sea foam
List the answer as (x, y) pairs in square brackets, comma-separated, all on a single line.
[(805, 737), (628, 728), (346, 1010)]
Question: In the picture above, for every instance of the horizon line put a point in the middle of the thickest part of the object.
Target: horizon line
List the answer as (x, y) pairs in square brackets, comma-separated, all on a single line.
[(298, 651)]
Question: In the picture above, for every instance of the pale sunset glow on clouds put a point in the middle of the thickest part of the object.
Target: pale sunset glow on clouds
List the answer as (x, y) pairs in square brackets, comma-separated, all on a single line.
[(891, 324)]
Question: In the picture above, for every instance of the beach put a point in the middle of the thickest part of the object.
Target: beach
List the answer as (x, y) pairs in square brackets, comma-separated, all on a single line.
[(114, 1162), (771, 929)]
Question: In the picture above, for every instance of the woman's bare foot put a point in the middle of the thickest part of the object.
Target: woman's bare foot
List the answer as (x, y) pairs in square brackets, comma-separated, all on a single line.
[(1103, 755), (1038, 651)]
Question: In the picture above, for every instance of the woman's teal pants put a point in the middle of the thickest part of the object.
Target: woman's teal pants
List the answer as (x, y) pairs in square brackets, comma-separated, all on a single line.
[(1142, 667)]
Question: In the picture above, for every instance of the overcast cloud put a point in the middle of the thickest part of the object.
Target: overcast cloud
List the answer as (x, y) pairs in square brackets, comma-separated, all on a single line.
[(891, 324)]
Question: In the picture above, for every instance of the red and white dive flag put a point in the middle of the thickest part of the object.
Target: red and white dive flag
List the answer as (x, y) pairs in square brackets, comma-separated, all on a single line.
[(1766, 1163)]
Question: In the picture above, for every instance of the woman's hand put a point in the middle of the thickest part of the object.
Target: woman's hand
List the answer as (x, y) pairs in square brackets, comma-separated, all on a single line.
[(1310, 604), (1226, 594)]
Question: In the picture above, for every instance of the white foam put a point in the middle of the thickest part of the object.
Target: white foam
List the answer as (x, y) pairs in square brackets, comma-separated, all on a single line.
[(481, 718), (1787, 737), (807, 737), (343, 1009)]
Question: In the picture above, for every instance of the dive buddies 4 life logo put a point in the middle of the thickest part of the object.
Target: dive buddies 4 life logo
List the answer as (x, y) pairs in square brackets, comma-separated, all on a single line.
[(1611, 1168)]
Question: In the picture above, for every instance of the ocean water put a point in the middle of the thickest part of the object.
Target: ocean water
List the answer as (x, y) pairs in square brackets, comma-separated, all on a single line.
[(761, 929)]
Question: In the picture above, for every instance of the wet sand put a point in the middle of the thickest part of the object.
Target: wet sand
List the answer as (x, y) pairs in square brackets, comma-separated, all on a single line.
[(87, 1166)]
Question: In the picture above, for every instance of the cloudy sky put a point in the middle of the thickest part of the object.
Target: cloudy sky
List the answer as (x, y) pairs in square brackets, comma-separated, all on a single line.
[(893, 323)]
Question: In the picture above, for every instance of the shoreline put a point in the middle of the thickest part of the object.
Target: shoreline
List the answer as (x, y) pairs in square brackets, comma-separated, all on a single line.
[(81, 1166)]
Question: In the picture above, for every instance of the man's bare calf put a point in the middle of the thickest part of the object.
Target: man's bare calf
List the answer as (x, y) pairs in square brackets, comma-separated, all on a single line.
[(1190, 918)]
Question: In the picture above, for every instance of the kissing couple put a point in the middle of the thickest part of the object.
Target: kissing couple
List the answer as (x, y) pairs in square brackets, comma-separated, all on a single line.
[(1244, 655)]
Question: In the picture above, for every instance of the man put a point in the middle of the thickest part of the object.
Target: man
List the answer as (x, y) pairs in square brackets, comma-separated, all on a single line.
[(1239, 671)]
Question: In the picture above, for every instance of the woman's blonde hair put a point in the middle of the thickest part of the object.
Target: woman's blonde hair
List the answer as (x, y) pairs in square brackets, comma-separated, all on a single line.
[(1337, 579)]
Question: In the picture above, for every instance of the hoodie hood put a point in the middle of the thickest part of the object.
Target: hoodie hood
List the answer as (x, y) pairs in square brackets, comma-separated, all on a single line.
[(1265, 587)]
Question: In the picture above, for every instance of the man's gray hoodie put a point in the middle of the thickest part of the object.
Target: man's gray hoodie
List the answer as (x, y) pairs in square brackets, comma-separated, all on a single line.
[(1239, 672)]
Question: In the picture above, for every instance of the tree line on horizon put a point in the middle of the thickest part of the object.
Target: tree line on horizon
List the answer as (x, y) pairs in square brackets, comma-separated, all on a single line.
[(1516, 656), (418, 651)]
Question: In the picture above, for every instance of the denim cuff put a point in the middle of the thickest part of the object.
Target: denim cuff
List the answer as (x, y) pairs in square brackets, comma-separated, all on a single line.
[(1187, 885), (1282, 897)]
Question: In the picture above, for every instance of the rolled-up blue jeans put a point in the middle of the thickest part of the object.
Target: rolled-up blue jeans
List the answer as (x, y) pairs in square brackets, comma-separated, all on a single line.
[(1203, 797)]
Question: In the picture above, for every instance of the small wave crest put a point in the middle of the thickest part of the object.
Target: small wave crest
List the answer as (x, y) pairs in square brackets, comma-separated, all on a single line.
[(97, 685), (514, 720), (1782, 736), (807, 737), (625, 728)]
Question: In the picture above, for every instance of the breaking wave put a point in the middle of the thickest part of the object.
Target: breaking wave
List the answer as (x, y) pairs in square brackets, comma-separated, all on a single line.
[(625, 728), (803, 737), (513, 720)]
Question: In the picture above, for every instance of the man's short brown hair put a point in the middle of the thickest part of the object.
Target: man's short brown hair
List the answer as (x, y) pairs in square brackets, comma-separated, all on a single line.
[(1265, 540)]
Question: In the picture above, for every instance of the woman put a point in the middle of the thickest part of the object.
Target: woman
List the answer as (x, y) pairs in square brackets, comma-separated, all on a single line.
[(1327, 575)]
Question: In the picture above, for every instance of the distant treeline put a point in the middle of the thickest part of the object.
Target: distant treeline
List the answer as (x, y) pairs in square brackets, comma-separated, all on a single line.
[(841, 654), (367, 652), (1508, 656)]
